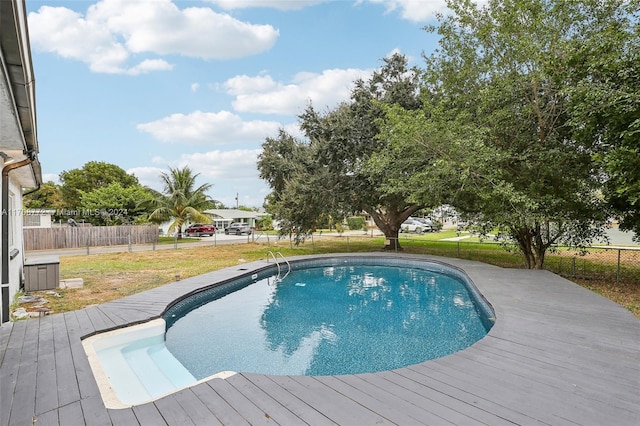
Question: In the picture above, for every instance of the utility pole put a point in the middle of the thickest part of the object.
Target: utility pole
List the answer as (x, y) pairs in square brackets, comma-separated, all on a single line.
[(236, 200)]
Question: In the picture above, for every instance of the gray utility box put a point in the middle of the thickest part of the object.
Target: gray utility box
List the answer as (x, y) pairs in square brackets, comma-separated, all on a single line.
[(41, 273)]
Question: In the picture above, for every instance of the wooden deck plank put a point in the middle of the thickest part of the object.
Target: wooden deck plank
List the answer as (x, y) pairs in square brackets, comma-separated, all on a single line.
[(172, 411), (123, 417), (72, 414), (46, 377), (5, 333), (218, 406), (123, 314), (81, 326), (24, 397), (432, 400), (509, 390), (483, 401), (148, 415), (272, 408), (247, 408), (569, 356), (67, 383), (10, 366), (98, 319), (417, 405), (394, 409), (97, 413), (86, 381), (50, 418), (520, 387), (591, 384), (337, 407), (197, 410), (305, 413), (558, 354)]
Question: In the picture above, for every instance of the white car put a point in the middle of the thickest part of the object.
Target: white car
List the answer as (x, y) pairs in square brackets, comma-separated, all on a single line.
[(413, 225), (238, 228), (428, 225)]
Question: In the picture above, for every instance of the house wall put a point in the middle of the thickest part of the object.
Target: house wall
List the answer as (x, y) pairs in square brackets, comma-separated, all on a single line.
[(37, 219), (16, 246)]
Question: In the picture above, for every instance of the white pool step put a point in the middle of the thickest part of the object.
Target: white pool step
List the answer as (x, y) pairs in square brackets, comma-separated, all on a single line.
[(135, 366), (157, 369)]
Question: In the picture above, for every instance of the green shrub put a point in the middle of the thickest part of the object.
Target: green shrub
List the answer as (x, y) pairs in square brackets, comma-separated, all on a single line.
[(355, 222)]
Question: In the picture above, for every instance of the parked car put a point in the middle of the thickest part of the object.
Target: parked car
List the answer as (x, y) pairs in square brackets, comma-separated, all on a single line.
[(428, 225), (238, 228), (198, 229), (413, 225)]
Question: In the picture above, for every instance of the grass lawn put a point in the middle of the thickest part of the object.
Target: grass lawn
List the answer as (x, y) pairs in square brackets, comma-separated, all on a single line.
[(114, 275)]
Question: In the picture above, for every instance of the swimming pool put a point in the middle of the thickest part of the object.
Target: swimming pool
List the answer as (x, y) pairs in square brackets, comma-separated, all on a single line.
[(311, 323)]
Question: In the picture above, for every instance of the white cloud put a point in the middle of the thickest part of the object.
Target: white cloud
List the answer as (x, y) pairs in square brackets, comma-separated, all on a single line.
[(417, 10), (149, 65), (414, 10), (112, 31), (274, 4), (235, 164), (51, 177), (148, 176), (261, 94), (208, 127), (195, 87), (230, 172)]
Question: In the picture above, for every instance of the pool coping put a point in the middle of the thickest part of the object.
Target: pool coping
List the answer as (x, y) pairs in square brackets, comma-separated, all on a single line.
[(195, 299), (557, 354)]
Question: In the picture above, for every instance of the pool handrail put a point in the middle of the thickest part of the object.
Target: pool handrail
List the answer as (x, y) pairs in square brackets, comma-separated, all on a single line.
[(278, 277)]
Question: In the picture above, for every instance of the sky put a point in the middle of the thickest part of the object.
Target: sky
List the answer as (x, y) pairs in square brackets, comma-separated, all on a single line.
[(150, 85)]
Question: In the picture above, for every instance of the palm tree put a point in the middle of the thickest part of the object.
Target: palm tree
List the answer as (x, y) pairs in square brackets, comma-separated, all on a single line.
[(180, 201)]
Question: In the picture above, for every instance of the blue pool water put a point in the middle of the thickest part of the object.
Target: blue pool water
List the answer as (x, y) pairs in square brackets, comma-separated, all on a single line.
[(335, 319)]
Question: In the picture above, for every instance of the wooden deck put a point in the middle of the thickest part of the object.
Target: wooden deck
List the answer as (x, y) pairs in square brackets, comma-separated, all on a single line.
[(557, 355)]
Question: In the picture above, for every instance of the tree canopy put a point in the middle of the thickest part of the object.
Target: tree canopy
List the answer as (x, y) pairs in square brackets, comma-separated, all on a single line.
[(48, 196), (181, 201), (526, 118), (500, 125), (326, 175), (93, 175), (114, 205), (604, 99)]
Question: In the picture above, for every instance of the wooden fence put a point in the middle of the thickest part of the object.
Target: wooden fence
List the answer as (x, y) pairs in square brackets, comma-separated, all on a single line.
[(89, 236)]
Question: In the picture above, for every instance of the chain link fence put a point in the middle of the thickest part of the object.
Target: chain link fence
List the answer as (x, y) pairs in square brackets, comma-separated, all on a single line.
[(610, 264)]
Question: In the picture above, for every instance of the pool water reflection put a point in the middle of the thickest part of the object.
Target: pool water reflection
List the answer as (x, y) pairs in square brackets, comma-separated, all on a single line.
[(329, 320)]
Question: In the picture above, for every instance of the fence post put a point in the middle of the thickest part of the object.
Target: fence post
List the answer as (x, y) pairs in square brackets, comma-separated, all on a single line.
[(618, 268), (348, 248), (313, 245), (129, 242), (88, 243)]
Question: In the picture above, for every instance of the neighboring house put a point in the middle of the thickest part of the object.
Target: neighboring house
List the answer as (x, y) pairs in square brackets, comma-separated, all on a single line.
[(224, 217), (221, 218), (18, 143), (38, 218)]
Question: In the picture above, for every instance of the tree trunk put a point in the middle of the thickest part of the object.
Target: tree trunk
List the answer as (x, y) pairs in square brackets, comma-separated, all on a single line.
[(531, 246), (392, 242), (389, 222)]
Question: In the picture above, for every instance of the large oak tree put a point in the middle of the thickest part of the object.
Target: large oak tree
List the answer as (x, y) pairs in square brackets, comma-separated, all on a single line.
[(499, 120), (327, 174)]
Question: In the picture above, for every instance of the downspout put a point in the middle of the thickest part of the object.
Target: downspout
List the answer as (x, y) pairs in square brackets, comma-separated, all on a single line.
[(5, 233)]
